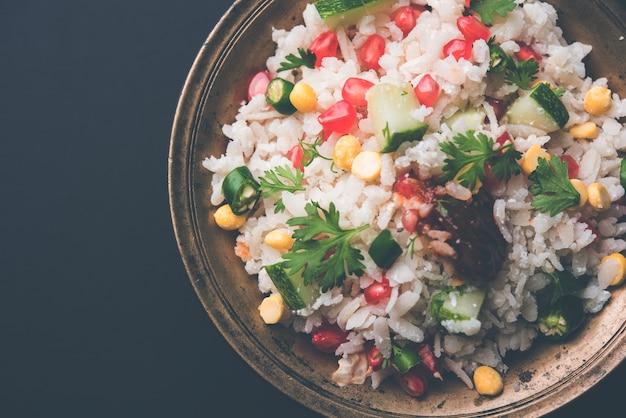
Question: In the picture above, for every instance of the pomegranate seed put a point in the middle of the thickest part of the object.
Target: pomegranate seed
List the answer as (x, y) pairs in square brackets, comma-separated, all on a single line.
[(258, 84), (355, 90), (327, 338), (427, 90), (499, 107), (526, 53), (339, 118), (572, 165), (429, 361), (325, 45), (409, 186), (374, 356), (405, 19), (371, 51), (377, 291), (473, 29), (458, 48), (413, 382)]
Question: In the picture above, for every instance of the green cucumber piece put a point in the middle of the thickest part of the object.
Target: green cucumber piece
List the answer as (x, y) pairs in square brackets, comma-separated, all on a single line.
[(277, 95), (241, 190), (390, 108), (457, 308), (472, 119), (622, 173), (348, 12), (384, 250), (541, 109), (291, 287)]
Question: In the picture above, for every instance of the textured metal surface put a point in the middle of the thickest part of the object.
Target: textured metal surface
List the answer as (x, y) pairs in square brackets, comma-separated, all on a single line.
[(538, 382)]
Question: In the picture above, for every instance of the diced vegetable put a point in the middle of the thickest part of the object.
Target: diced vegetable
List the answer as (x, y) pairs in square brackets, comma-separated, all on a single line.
[(391, 110), (405, 358), (470, 119), (384, 250), (526, 52), (272, 309), (367, 165), (277, 95), (347, 12), (498, 59), (241, 190), (291, 287), (227, 220), (457, 308), (541, 109), (488, 381), (597, 100)]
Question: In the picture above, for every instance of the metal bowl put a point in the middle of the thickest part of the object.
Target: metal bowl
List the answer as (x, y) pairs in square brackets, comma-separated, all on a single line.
[(538, 382)]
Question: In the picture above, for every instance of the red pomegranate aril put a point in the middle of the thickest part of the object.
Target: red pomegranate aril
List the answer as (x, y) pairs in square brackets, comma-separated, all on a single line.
[(354, 91), (412, 382), (258, 84), (473, 29), (427, 90), (377, 291), (374, 357), (429, 361), (371, 51), (526, 52), (408, 186), (458, 48), (503, 139), (339, 118), (405, 19), (410, 217), (572, 165), (295, 156), (325, 45), (499, 107), (327, 338)]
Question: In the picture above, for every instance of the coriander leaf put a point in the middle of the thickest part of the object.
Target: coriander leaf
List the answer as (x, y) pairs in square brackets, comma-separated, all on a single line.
[(307, 58), (551, 186), (469, 154), (272, 183), (522, 73), (322, 248), (310, 152), (487, 8)]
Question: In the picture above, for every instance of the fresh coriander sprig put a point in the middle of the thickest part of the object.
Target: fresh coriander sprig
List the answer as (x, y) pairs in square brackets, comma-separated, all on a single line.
[(521, 73), (470, 153), (322, 249), (487, 8), (307, 58), (551, 186), (278, 180)]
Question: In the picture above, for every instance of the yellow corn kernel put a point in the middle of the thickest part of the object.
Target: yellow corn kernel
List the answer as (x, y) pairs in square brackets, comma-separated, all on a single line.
[(488, 381), (346, 149), (456, 282), (529, 161), (612, 270), (367, 165), (581, 188), (598, 197), (479, 183), (272, 309), (587, 130), (226, 219), (303, 97), (537, 82), (597, 100), (279, 240)]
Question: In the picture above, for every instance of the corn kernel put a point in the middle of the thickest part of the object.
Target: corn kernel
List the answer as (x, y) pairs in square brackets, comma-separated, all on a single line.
[(587, 130), (227, 220), (367, 165), (272, 309), (346, 149), (581, 188), (598, 197), (279, 240), (488, 381), (529, 161), (303, 97), (612, 270), (597, 100)]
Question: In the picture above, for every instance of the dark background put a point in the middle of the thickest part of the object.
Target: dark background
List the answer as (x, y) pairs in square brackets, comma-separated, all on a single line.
[(97, 316)]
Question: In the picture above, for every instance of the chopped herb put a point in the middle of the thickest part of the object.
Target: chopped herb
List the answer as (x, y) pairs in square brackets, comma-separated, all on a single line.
[(521, 73), (310, 152), (487, 8), (469, 154), (551, 186), (322, 249), (307, 58), (272, 184)]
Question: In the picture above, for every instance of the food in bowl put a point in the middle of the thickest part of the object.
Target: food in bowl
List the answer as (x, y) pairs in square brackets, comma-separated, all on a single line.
[(424, 187)]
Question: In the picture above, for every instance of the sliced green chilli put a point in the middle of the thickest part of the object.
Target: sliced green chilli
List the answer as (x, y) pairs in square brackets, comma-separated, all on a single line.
[(277, 95), (241, 190)]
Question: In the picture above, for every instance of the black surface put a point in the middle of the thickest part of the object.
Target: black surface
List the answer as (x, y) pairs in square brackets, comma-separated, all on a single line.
[(97, 315)]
